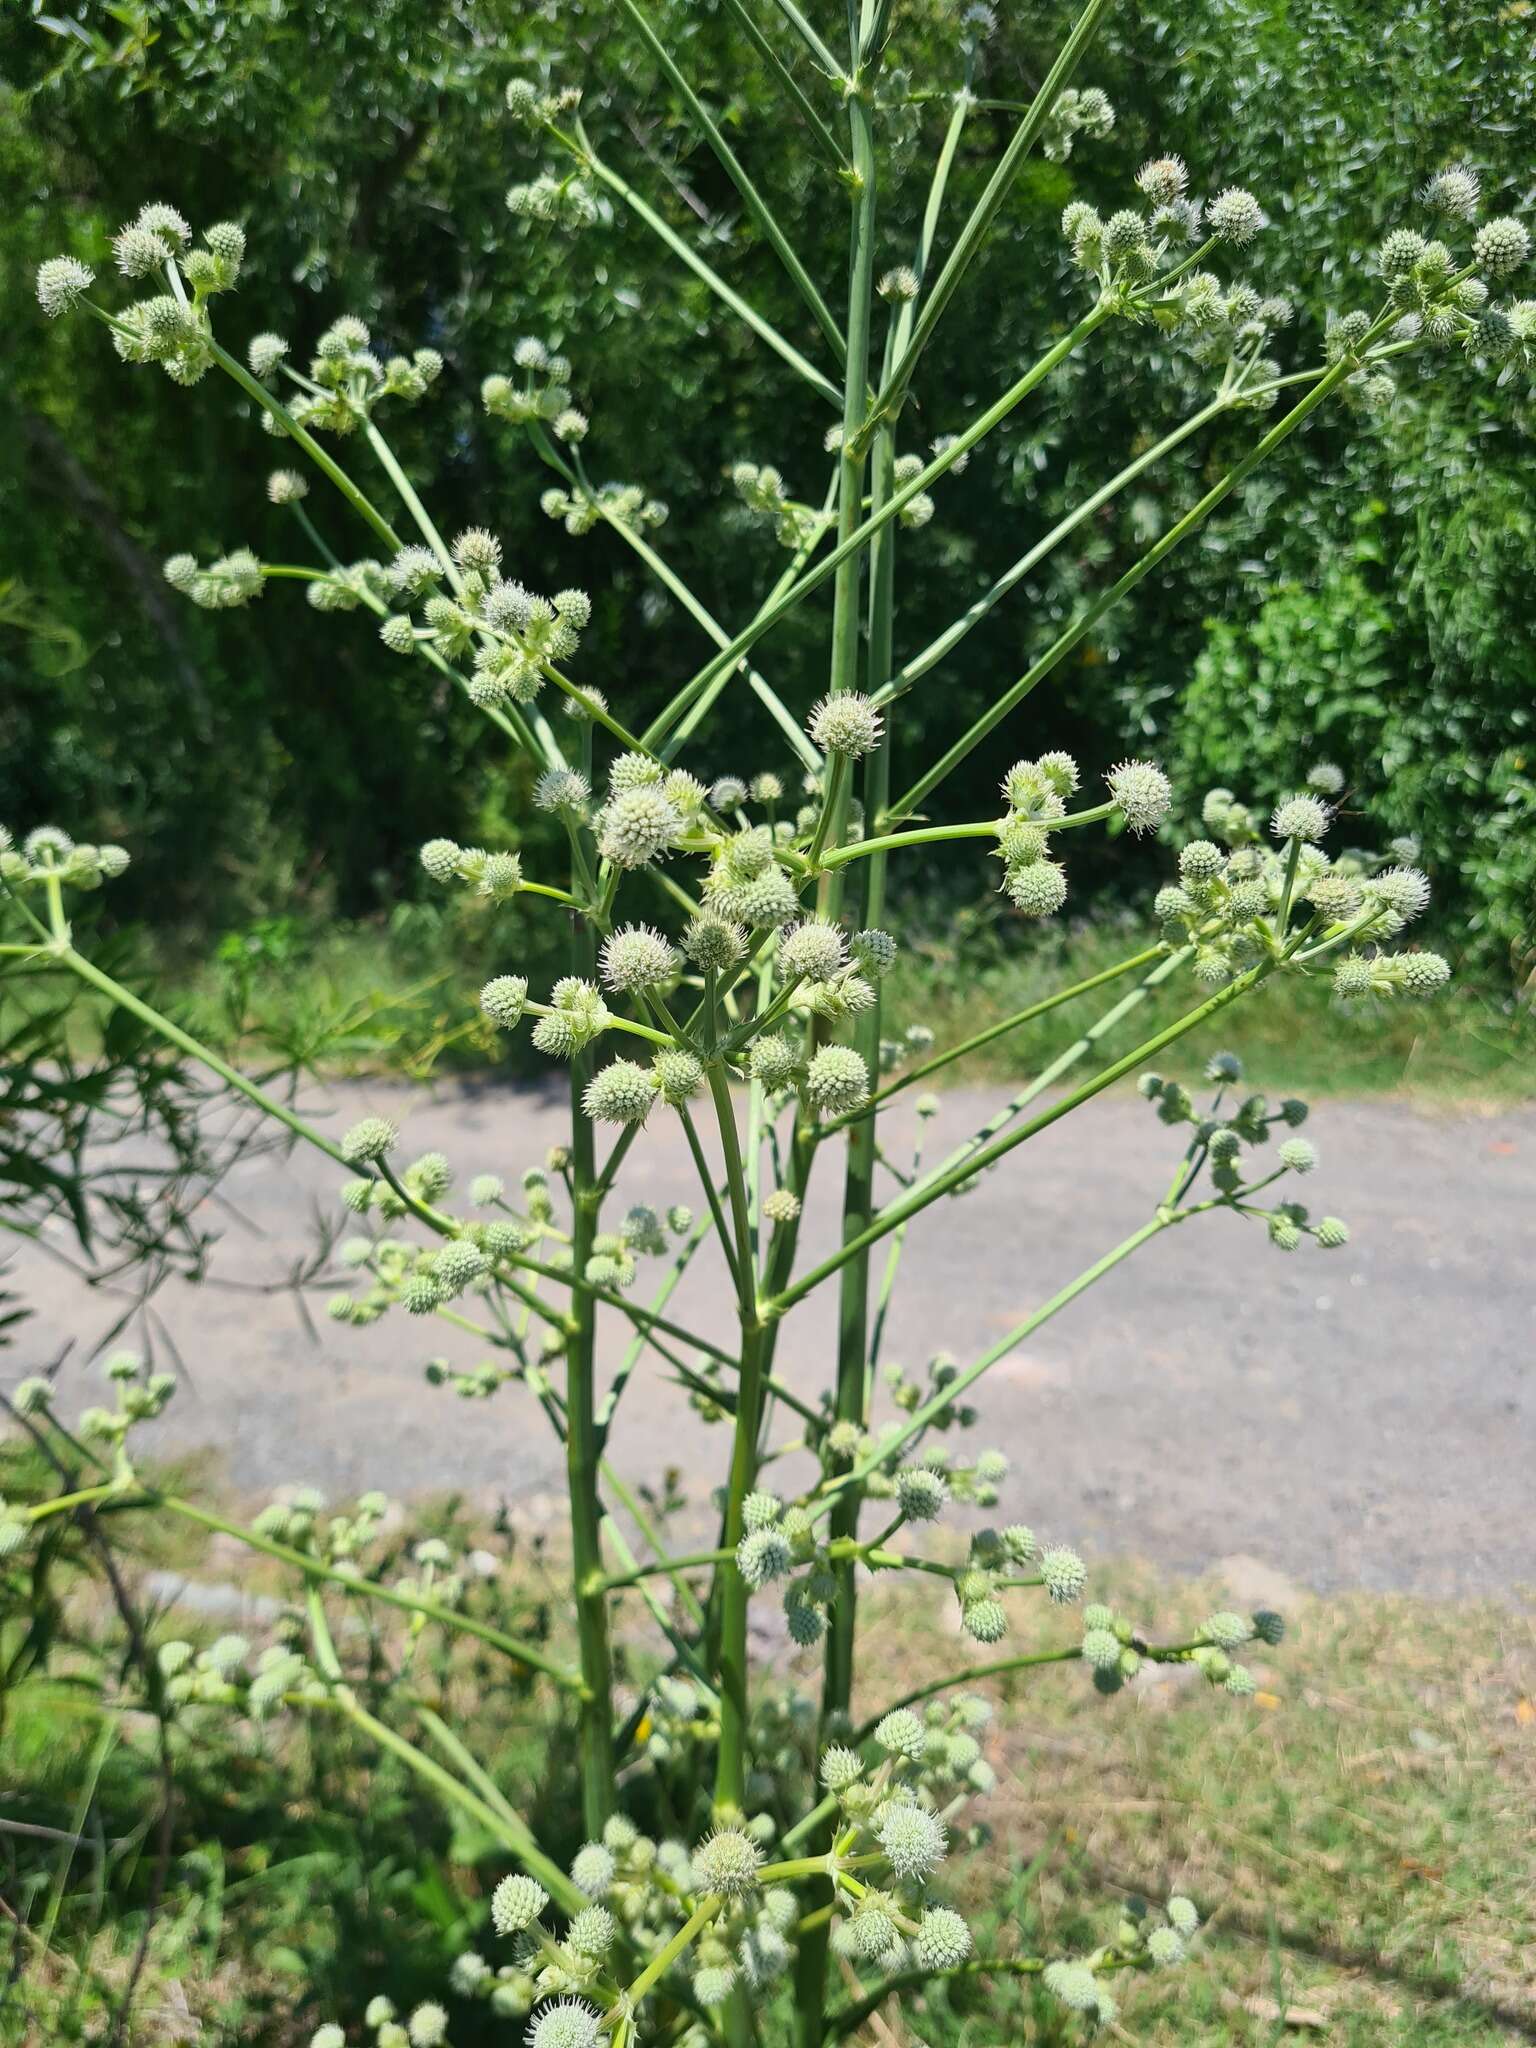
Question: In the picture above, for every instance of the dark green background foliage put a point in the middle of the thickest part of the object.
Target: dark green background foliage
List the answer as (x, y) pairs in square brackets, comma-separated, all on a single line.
[(1368, 597)]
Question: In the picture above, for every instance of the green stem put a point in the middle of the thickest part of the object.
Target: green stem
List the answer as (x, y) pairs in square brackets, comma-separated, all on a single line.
[(583, 1449), (947, 641), (1058, 651), (974, 233), (755, 204), (967, 1675), (944, 1182), (764, 329), (664, 1958), (791, 84), (1012, 1023), (854, 542)]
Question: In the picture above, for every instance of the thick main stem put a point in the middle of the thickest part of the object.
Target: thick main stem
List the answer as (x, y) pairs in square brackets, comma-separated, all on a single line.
[(583, 1447)]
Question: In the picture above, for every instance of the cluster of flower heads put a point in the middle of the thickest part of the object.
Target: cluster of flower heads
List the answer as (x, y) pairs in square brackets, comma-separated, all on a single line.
[(425, 2026), (541, 390), (1236, 888), (141, 1396), (48, 855), (566, 202), (516, 637), (170, 327), (1448, 301), (1036, 794), (346, 378), (1077, 112), (1223, 1139), (622, 504)]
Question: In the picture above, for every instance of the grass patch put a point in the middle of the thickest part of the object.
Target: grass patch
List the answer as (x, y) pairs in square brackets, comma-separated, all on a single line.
[(1357, 1838)]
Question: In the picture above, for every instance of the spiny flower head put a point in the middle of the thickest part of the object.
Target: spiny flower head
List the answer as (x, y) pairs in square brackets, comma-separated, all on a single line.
[(1064, 1573), (620, 1093), (370, 1138), (1455, 191), (636, 825), (847, 723), (836, 1081), (593, 1869), (503, 999), (1038, 889), (841, 1767), (1141, 791), (1074, 1984), (1234, 216), (636, 957), (726, 1863), (943, 1940), (1300, 817), (762, 1556), (901, 1734), (773, 1062), (1227, 1631), (427, 2026), (1299, 1155), (1403, 890), (516, 1903), (61, 283), (913, 1839), (679, 1076), (984, 1620), (568, 2023), (812, 951), (922, 1494)]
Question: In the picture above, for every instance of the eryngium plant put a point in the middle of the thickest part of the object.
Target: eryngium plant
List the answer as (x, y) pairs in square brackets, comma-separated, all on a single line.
[(728, 935)]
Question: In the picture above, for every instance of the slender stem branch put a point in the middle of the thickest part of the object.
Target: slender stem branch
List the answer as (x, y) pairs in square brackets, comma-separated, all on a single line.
[(753, 200), (791, 84), (974, 233), (764, 329)]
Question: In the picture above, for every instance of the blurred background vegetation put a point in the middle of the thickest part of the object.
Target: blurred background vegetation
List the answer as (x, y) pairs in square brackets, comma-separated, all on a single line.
[(1367, 598)]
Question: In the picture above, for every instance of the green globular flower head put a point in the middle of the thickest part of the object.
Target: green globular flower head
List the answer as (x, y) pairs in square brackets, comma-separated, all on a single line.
[(593, 1869), (1039, 890), (1202, 860), (727, 1863), (812, 951), (943, 1940), (678, 1075), (1101, 1649), (568, 2023), (1300, 817), (773, 1062), (780, 1207), (1331, 1234), (1165, 1947), (985, 1620), (902, 1734), (427, 2026), (914, 1840), (636, 825), (328, 2036), (1064, 1574), (516, 1903), (846, 723), (1234, 216), (836, 1081), (1501, 246), (503, 999), (714, 943), (1142, 792), (371, 1138), (620, 1093), (637, 957), (61, 283), (921, 1494), (1299, 1154), (1421, 974), (762, 1556), (1227, 1631), (1073, 1983)]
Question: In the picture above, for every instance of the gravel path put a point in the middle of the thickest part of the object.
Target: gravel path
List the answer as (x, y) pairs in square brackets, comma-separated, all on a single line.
[(1363, 1417)]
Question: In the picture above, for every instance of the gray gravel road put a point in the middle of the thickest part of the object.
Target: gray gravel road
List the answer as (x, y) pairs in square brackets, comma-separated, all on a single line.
[(1364, 1417)]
